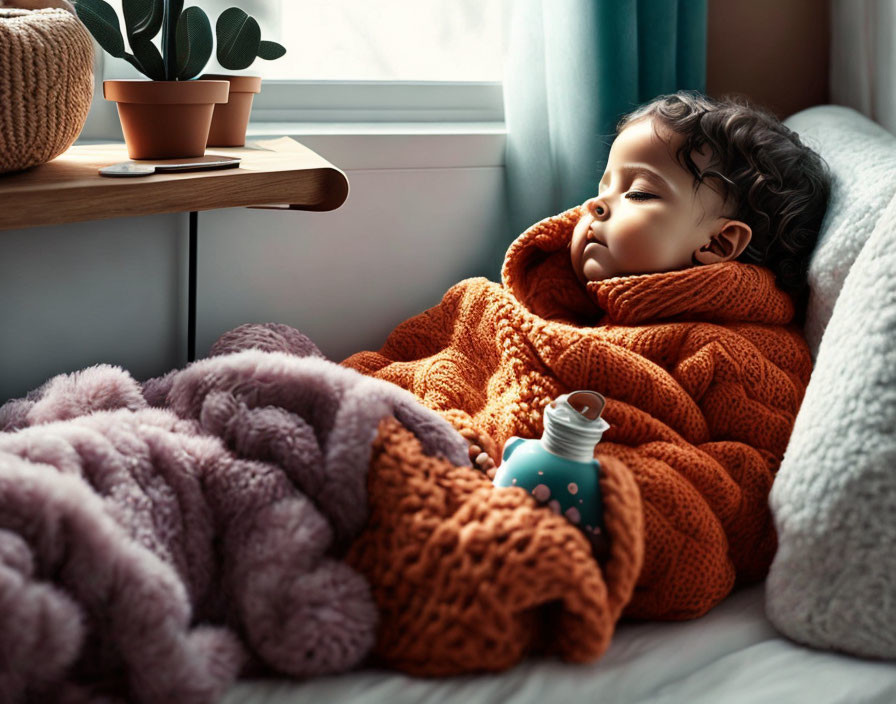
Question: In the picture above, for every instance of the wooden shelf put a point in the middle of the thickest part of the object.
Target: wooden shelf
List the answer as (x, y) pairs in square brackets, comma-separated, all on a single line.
[(70, 189)]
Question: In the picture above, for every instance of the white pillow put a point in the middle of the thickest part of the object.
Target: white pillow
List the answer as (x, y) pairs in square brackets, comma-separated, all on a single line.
[(862, 157), (832, 583)]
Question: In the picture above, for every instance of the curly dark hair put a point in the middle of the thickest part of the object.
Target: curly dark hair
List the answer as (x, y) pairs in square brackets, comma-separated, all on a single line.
[(774, 183)]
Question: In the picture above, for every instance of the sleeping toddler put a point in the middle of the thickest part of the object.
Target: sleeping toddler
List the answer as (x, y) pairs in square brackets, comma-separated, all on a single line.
[(677, 292), (692, 181)]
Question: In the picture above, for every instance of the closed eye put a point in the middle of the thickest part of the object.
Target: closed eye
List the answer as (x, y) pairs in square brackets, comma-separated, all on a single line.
[(640, 195)]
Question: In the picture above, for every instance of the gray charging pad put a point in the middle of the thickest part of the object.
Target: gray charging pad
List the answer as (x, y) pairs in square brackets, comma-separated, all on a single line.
[(145, 168)]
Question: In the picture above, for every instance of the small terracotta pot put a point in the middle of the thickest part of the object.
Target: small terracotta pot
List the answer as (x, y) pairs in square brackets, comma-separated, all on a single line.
[(230, 120), (165, 119)]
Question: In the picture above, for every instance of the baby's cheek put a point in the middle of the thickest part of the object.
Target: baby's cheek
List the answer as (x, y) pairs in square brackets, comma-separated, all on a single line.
[(638, 245), (629, 241)]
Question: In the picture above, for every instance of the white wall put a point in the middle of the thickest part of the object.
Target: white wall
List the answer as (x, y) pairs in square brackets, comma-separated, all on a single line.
[(86, 293), (347, 277)]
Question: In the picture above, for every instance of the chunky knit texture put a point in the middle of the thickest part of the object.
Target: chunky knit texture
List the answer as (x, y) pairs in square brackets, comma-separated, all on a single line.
[(703, 377), (46, 85), (470, 578)]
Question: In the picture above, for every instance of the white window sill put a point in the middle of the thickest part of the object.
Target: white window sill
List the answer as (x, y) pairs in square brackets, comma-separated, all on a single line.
[(395, 145), (382, 145)]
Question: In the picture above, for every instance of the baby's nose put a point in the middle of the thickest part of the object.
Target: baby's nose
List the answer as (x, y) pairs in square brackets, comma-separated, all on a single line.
[(597, 207)]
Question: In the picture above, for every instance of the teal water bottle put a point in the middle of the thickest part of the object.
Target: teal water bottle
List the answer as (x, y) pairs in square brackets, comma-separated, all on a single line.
[(560, 469)]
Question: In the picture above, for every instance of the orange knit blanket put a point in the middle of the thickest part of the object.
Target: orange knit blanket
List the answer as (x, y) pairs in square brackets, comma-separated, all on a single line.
[(703, 376)]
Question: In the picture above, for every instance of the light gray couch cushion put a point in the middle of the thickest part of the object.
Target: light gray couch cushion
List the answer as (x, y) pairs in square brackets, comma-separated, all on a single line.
[(862, 157), (831, 584)]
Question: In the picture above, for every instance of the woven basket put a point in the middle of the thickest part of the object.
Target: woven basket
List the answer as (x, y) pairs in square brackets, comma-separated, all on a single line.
[(46, 85)]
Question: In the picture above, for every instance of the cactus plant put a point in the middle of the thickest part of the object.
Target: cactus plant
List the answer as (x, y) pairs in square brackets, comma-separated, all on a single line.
[(186, 41)]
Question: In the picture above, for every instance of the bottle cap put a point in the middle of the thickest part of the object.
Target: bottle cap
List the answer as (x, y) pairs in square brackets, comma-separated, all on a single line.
[(573, 426)]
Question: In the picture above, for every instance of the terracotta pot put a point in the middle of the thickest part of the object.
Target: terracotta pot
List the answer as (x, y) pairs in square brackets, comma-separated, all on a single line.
[(165, 119), (231, 119)]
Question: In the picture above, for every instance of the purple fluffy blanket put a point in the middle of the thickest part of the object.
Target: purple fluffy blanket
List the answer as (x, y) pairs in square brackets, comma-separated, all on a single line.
[(158, 540)]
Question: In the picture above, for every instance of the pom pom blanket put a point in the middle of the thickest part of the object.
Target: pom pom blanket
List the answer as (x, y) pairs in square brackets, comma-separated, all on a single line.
[(703, 375), (153, 554)]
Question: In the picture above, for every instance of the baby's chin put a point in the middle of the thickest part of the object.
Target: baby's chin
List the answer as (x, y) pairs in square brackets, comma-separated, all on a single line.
[(592, 266), (593, 271)]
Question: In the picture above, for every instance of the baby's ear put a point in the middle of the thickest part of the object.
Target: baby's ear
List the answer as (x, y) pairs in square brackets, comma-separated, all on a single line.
[(726, 245)]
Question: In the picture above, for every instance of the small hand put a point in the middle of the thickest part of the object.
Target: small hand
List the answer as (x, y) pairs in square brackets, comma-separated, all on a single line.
[(478, 457), (482, 461)]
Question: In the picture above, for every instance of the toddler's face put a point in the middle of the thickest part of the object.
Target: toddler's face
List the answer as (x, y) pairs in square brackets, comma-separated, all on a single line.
[(646, 217)]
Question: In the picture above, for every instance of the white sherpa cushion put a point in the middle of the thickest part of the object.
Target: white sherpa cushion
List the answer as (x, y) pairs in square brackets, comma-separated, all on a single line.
[(833, 580), (862, 157)]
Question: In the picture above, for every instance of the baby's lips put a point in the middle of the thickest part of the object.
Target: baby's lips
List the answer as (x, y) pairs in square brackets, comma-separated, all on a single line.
[(593, 235)]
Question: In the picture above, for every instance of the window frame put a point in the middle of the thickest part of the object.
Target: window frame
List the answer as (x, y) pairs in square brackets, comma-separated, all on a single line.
[(378, 101), (364, 101)]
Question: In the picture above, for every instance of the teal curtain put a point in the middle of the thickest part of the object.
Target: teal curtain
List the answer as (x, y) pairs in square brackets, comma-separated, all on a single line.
[(572, 69)]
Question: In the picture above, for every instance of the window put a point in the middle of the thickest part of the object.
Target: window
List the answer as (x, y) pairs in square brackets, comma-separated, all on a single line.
[(372, 60), (381, 40)]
